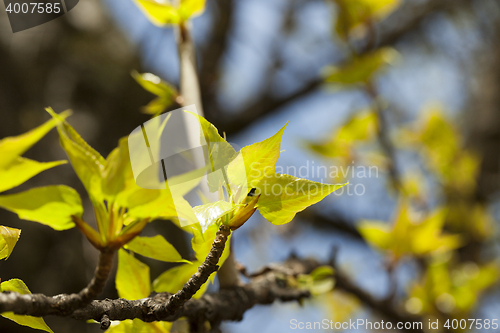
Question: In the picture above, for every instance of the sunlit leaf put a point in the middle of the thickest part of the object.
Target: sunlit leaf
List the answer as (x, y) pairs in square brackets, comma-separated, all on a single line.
[(165, 92), (18, 286), (358, 15), (132, 277), (173, 280), (257, 161), (8, 239), (282, 196), (202, 243), (220, 151), (209, 213), (166, 12), (138, 326), (358, 129), (163, 207), (361, 69), (50, 205), (442, 147), (322, 280), (452, 289), (410, 234), (22, 169), (116, 170), (376, 233), (156, 248), (13, 147), (87, 163)]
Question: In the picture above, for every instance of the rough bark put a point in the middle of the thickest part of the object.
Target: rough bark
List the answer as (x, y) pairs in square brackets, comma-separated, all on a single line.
[(39, 305)]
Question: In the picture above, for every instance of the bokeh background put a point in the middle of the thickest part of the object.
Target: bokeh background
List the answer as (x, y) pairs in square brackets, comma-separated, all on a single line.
[(262, 63)]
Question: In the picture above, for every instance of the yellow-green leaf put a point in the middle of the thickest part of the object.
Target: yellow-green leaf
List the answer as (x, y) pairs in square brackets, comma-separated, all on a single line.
[(357, 15), (209, 213), (116, 171), (173, 280), (165, 12), (156, 248), (361, 69), (164, 207), (132, 277), (410, 235), (202, 243), (165, 92), (87, 163), (13, 147), (376, 232), (18, 286), (8, 239), (22, 169), (257, 161), (138, 326), (221, 153), (50, 205), (359, 128), (282, 196)]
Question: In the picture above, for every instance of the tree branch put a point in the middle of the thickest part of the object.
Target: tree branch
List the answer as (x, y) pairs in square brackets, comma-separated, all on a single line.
[(206, 269), (266, 286), (227, 304), (39, 305)]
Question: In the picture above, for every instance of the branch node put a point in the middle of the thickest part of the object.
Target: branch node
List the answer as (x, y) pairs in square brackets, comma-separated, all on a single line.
[(105, 322)]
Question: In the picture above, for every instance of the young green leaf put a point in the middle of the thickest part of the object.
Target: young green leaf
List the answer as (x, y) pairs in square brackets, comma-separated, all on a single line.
[(173, 280), (163, 207), (138, 326), (155, 247), (165, 92), (443, 150), (377, 233), (8, 239), (117, 173), (209, 213), (22, 169), (257, 161), (167, 13), (132, 277), (359, 128), (282, 196), (18, 286), (13, 147), (50, 205), (410, 236), (220, 153), (202, 243), (87, 163), (354, 15), (453, 289), (360, 70)]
